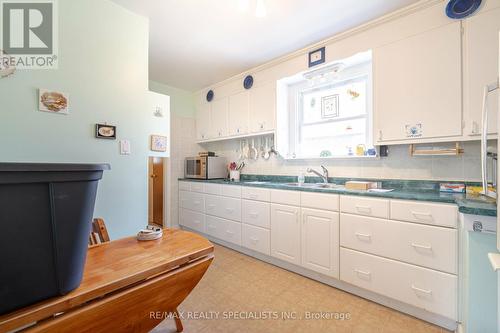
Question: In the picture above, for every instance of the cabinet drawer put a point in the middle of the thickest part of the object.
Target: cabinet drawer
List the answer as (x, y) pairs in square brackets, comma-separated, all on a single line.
[(197, 187), (319, 201), (223, 229), (256, 213), (285, 197), (184, 186), (364, 206), (215, 189), (254, 193), (227, 208), (426, 213), (257, 239), (192, 220), (192, 201), (231, 191), (423, 245), (421, 287)]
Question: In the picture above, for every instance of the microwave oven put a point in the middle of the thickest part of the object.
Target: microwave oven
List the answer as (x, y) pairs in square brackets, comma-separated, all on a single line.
[(205, 167)]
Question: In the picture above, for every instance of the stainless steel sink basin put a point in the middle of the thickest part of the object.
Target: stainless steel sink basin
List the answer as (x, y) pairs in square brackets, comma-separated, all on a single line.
[(315, 185)]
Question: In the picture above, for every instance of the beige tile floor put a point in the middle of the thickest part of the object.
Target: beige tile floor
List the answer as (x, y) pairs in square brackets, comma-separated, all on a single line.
[(237, 283)]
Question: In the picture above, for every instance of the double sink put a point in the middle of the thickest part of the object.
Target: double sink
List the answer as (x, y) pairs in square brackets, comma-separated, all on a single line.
[(305, 185)]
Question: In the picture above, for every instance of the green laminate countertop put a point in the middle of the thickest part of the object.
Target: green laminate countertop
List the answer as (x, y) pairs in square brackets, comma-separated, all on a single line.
[(403, 189)]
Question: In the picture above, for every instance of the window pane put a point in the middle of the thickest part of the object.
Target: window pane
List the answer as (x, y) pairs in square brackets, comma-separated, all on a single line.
[(334, 101)]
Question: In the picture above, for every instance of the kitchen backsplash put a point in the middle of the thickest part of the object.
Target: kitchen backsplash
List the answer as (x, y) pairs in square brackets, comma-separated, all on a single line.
[(398, 165)]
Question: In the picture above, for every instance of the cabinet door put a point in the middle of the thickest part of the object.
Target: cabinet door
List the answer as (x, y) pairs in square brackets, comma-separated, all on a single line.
[(218, 118), (203, 121), (263, 107), (481, 68), (320, 241), (238, 113), (285, 233), (417, 86)]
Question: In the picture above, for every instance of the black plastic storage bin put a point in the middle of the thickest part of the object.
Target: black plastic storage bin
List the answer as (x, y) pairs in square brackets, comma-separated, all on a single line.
[(45, 219)]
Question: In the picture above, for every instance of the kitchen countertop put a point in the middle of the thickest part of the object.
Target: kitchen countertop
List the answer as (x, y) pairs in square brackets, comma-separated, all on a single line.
[(405, 190)]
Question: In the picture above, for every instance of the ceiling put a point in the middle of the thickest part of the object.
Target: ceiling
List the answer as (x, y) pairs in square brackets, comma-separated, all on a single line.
[(195, 43)]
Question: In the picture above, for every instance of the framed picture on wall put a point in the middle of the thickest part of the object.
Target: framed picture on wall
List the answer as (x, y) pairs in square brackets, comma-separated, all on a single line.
[(105, 131), (53, 101), (158, 143)]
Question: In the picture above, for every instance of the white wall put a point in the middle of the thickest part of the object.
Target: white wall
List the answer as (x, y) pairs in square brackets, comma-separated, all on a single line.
[(103, 66)]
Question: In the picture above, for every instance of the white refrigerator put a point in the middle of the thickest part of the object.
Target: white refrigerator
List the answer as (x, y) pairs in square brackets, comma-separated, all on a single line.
[(495, 257)]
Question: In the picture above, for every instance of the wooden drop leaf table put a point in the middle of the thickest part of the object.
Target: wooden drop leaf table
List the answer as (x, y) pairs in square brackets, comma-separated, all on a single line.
[(124, 283)]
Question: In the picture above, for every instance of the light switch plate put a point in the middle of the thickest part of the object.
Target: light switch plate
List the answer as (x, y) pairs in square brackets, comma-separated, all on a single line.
[(124, 147)]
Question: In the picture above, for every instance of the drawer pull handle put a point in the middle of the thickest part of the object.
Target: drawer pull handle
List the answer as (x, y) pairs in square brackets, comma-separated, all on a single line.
[(419, 215), (254, 215), (254, 239), (363, 273), (364, 209), (419, 246), (230, 232), (197, 203), (211, 206), (420, 290), (230, 210), (360, 235)]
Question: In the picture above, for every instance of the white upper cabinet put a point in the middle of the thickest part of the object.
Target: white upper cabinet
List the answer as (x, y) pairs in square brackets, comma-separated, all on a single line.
[(263, 107), (218, 119), (203, 121), (238, 113), (481, 68), (417, 87)]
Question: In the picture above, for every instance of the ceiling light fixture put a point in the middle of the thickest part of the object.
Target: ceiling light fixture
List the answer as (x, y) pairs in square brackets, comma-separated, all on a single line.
[(260, 10)]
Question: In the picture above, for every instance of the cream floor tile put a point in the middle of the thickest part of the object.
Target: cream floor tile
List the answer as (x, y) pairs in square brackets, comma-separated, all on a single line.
[(238, 284)]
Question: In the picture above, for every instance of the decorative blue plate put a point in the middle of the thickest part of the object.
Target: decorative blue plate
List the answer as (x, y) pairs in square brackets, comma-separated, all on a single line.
[(248, 82), (459, 9), (210, 95)]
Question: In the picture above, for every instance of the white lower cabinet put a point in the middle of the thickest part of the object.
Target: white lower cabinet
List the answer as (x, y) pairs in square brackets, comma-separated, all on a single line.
[(256, 238), (424, 288), (423, 245), (192, 220), (320, 241), (256, 213), (223, 229), (227, 208), (285, 233), (405, 250)]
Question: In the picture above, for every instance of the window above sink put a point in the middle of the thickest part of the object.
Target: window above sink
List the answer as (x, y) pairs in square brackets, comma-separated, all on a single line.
[(327, 112)]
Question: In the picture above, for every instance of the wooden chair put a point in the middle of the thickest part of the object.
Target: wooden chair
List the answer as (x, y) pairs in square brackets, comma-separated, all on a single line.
[(99, 235)]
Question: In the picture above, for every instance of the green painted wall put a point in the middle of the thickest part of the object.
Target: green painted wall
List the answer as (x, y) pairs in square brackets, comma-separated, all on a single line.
[(181, 101), (103, 52)]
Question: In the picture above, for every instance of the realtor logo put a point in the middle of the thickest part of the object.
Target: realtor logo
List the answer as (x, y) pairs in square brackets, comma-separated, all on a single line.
[(29, 33)]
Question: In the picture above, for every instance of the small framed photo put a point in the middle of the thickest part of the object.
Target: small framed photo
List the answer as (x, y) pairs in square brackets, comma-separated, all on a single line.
[(317, 57), (158, 143), (330, 106), (53, 101), (105, 131)]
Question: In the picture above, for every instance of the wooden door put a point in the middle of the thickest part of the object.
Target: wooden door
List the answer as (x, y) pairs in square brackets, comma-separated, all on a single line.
[(156, 190)]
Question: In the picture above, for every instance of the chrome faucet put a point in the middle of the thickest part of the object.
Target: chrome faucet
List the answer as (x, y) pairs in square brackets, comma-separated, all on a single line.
[(323, 176)]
